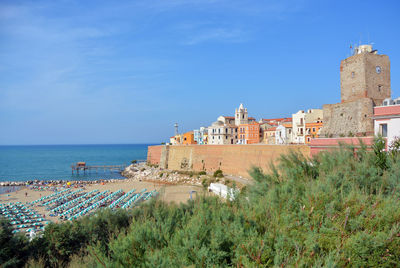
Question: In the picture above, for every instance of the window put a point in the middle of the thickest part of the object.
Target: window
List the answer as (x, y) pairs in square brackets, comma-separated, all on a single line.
[(353, 74), (313, 129), (383, 130), (226, 137), (380, 88)]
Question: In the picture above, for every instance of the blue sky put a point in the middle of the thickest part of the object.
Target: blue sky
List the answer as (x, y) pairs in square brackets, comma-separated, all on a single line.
[(74, 72)]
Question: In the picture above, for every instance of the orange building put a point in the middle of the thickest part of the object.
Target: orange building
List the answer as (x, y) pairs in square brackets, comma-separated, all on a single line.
[(249, 133), (313, 130), (188, 138)]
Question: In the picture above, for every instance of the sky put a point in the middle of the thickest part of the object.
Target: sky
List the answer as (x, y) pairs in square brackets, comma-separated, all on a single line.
[(98, 72)]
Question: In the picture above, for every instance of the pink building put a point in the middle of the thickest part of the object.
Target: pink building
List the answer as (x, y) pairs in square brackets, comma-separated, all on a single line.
[(387, 120)]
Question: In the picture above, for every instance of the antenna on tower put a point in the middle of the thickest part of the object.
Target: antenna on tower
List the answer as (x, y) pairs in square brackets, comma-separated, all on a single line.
[(176, 129)]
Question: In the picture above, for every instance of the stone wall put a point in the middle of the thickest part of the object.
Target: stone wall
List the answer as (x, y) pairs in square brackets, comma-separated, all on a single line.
[(231, 159), (343, 118), (154, 154)]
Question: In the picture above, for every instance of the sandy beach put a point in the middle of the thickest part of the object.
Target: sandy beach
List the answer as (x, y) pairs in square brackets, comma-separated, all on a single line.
[(167, 192)]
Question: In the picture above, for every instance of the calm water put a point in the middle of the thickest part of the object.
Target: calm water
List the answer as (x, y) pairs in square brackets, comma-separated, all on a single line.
[(21, 163)]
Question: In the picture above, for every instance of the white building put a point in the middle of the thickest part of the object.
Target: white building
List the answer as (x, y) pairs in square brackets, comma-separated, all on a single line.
[(220, 133), (283, 134), (387, 120), (299, 123)]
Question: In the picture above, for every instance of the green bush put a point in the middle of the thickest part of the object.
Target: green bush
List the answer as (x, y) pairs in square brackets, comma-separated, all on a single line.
[(202, 173), (218, 174), (337, 209)]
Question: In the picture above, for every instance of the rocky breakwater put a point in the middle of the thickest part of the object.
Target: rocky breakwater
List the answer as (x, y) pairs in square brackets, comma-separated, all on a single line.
[(153, 173)]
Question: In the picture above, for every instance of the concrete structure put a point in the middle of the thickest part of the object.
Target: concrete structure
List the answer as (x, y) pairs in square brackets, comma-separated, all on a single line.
[(175, 140), (300, 119), (227, 120), (284, 134), (269, 136), (249, 133), (200, 135), (313, 130), (328, 144), (220, 133), (364, 83), (387, 121), (188, 138), (231, 159)]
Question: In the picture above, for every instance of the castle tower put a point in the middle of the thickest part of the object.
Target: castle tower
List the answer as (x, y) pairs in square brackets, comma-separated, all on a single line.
[(364, 83), (365, 75), (241, 116)]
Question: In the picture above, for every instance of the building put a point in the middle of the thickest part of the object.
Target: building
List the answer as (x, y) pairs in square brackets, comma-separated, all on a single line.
[(387, 120), (269, 135), (313, 130), (225, 129), (200, 135), (283, 134), (364, 83), (175, 140), (276, 121), (221, 133), (249, 133), (300, 119), (227, 120), (266, 124), (188, 138)]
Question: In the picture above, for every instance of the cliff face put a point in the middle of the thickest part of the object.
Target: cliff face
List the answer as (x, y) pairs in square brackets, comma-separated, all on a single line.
[(231, 159)]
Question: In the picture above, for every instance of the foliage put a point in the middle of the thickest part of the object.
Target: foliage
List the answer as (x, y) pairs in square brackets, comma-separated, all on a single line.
[(134, 161), (337, 209), (13, 248), (218, 174)]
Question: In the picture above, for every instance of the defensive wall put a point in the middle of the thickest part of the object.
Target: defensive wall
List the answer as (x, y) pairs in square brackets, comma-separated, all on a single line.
[(231, 159)]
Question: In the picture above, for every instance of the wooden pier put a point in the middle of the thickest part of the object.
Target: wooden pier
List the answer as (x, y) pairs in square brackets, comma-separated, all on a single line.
[(81, 166)]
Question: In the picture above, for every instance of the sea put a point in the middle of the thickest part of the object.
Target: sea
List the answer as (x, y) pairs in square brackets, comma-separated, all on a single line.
[(53, 162)]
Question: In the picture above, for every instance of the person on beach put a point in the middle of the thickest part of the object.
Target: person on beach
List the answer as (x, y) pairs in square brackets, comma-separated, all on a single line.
[(26, 194)]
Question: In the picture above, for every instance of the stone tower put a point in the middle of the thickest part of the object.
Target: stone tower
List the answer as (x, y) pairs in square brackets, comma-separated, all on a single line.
[(365, 75), (364, 83), (241, 116)]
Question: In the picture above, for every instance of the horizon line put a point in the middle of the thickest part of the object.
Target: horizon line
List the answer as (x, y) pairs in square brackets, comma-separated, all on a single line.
[(77, 144)]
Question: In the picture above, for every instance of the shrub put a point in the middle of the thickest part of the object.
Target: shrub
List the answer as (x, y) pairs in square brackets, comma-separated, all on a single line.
[(134, 161), (218, 174)]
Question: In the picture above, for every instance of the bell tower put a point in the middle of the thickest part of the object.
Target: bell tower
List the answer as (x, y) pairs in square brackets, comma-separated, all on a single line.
[(241, 116)]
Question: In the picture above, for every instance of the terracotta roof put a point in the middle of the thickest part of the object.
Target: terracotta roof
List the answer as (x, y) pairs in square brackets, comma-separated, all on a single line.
[(229, 117), (252, 118), (288, 119), (271, 129)]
